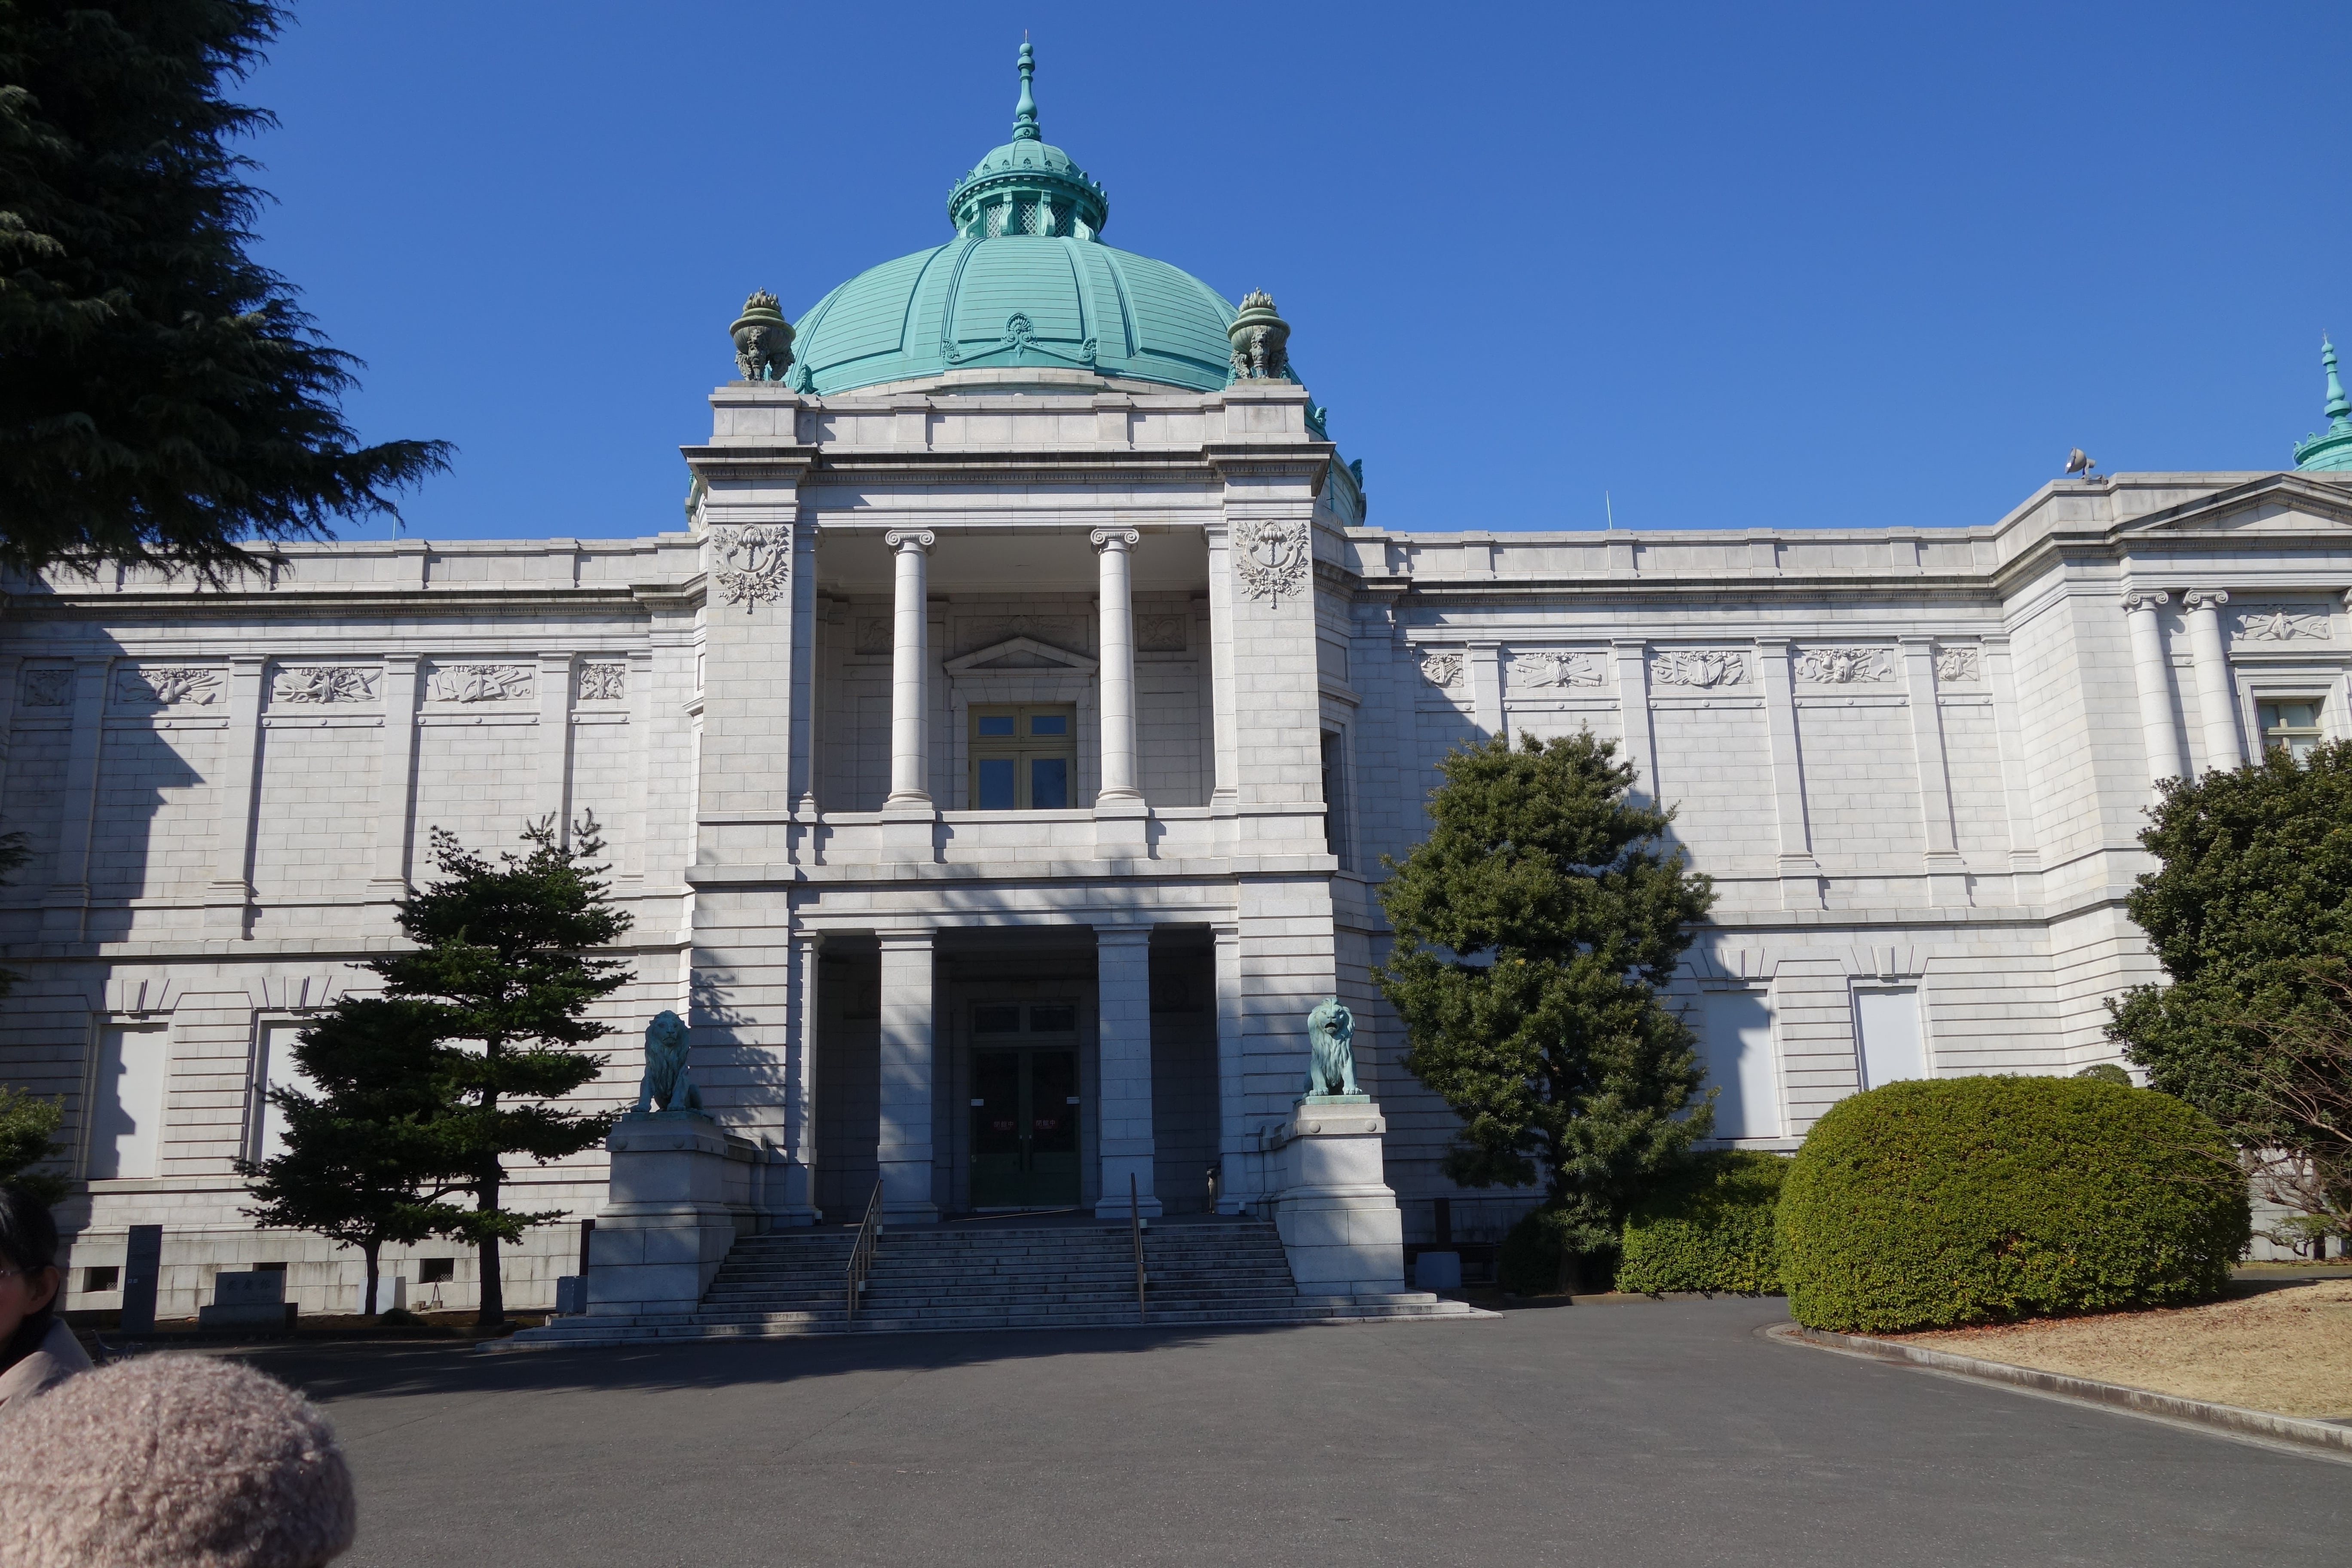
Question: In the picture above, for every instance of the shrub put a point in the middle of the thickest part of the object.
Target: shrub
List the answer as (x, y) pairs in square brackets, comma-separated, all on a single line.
[(1935, 1204), (1709, 1229)]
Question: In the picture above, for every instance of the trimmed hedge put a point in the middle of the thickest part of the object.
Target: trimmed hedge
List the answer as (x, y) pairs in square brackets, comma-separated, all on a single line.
[(1710, 1229), (1954, 1201)]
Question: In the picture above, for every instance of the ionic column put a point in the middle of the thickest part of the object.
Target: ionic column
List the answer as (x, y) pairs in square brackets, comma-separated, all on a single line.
[(1124, 1047), (2152, 673), (902, 1151), (1120, 831), (1234, 1187), (910, 663), (2217, 704)]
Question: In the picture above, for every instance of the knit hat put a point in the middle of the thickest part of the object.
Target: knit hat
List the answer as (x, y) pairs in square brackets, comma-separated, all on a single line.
[(173, 1461)]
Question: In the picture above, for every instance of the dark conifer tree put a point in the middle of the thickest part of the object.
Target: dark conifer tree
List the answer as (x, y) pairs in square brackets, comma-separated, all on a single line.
[(161, 395), (502, 956), (1534, 928), (366, 1159)]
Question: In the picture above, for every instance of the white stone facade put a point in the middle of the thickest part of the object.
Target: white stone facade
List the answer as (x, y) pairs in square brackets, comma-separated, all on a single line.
[(1915, 761)]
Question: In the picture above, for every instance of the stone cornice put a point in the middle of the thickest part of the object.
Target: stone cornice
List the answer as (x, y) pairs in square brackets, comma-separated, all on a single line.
[(131, 605), (776, 461)]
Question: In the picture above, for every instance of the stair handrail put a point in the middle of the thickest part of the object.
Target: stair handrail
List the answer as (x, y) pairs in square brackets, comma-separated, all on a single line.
[(1135, 1230), (861, 1252)]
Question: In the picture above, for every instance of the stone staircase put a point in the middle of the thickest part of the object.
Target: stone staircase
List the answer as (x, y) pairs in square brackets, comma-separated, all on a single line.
[(937, 1277)]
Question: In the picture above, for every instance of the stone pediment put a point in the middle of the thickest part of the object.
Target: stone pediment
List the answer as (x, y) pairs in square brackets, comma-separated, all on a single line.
[(1018, 654), (2284, 504)]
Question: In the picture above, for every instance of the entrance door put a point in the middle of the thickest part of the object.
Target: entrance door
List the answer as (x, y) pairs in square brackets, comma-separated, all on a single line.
[(1025, 1110)]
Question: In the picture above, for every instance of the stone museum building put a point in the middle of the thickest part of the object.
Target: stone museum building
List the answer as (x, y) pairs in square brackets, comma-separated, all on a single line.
[(999, 761)]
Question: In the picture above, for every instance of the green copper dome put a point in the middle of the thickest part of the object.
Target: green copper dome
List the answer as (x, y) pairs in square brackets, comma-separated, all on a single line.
[(1026, 282)]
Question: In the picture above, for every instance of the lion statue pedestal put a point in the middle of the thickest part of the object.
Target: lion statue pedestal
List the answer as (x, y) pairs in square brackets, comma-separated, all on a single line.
[(1331, 1203), (682, 1191)]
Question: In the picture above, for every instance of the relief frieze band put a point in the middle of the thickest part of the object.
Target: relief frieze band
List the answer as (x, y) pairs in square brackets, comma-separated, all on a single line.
[(1557, 668), (1846, 666), (480, 682), (323, 685), (183, 686), (1706, 668)]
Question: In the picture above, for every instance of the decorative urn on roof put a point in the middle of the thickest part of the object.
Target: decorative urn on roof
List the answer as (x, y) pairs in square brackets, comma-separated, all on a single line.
[(763, 339), (1261, 340)]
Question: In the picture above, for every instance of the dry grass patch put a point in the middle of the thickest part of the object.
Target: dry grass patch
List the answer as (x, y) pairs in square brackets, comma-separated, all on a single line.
[(2286, 1349)]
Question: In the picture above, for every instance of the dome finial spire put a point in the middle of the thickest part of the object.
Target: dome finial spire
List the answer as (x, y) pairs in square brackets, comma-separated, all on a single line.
[(1025, 113), (2331, 451), (2339, 408)]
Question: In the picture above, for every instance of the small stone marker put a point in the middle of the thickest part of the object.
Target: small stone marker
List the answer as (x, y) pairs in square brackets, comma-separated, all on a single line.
[(248, 1301)]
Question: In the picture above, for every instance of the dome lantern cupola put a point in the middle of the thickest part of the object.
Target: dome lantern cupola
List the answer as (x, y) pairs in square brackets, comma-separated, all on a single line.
[(1028, 186), (2331, 452)]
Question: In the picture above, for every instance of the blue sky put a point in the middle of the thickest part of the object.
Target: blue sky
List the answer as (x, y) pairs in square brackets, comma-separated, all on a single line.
[(1735, 265)]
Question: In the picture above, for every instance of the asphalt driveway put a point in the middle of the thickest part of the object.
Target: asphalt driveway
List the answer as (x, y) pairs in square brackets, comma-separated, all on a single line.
[(1626, 1435)]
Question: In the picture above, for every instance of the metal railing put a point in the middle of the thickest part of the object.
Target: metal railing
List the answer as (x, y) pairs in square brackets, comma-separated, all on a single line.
[(1135, 1230), (861, 1252)]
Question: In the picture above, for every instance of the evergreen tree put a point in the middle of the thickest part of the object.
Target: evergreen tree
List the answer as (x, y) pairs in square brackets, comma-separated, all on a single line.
[(2250, 912), (501, 957), (1534, 927), (366, 1161), (161, 395), (27, 1120)]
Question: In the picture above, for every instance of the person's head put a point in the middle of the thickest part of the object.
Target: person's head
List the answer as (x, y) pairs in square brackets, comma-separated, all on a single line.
[(29, 1272), (171, 1461)]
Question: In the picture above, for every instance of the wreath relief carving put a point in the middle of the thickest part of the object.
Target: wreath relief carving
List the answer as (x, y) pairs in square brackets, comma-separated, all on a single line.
[(754, 563), (1271, 559)]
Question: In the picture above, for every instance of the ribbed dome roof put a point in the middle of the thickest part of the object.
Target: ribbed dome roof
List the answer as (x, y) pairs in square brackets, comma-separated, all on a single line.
[(1027, 282), (1016, 299)]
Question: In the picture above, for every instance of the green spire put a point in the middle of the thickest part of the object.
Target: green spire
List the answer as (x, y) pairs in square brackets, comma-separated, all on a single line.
[(1027, 187), (1025, 113), (2331, 453)]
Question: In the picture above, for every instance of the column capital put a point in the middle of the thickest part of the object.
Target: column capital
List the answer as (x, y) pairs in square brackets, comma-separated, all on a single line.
[(2193, 599), (1121, 935), (902, 539), (1114, 539), (2149, 599)]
